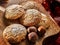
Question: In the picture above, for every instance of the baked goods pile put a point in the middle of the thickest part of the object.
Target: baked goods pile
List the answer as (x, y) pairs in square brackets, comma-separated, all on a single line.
[(24, 22)]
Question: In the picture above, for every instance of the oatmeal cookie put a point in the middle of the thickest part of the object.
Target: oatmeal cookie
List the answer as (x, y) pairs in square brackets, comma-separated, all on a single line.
[(14, 11), (14, 33), (31, 18)]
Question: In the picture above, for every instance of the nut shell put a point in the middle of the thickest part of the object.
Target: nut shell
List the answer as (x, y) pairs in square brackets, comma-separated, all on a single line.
[(41, 30), (31, 29), (32, 37)]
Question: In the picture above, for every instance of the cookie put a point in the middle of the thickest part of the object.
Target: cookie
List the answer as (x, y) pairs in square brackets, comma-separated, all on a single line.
[(44, 21), (29, 5), (14, 33), (31, 18), (14, 11)]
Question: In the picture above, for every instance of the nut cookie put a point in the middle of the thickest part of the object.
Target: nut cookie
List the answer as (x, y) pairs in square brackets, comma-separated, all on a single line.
[(14, 11), (29, 5), (31, 18), (14, 33)]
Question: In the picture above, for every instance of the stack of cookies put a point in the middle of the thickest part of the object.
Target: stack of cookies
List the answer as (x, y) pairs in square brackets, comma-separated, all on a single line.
[(23, 22)]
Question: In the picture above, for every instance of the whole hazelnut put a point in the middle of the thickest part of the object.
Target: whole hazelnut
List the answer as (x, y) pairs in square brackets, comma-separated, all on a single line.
[(32, 37), (41, 30), (31, 29)]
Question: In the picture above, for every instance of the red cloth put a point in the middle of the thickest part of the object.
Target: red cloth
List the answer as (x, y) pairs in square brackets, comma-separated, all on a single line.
[(55, 15), (56, 9)]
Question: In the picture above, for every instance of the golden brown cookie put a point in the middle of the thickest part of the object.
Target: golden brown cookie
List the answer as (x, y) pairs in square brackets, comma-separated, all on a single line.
[(44, 21), (29, 5), (32, 17), (14, 33), (14, 11)]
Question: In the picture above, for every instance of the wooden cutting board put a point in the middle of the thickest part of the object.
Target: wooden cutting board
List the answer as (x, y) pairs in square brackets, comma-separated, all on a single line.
[(52, 30)]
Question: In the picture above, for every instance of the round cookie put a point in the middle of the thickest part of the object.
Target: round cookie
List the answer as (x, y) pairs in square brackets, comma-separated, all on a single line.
[(14, 33), (14, 11), (29, 5), (31, 18), (44, 21)]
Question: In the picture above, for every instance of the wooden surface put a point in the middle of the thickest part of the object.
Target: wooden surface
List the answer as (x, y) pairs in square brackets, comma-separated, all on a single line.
[(52, 30)]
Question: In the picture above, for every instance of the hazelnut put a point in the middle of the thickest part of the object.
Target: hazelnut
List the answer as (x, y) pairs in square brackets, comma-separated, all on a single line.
[(41, 30), (32, 29), (32, 37)]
